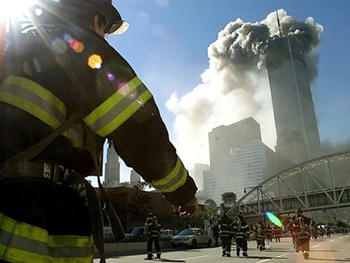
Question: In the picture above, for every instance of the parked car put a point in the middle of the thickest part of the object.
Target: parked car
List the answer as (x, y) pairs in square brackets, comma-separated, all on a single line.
[(167, 233), (136, 234), (191, 237)]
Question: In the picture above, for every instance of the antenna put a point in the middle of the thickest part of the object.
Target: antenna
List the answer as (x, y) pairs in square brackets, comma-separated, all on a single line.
[(278, 23)]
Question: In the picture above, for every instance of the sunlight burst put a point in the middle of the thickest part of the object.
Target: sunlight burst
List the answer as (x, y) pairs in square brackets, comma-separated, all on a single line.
[(14, 7)]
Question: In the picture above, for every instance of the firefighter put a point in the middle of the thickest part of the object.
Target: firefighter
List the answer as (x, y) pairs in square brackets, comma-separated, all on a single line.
[(269, 233), (260, 235), (215, 231), (225, 224), (302, 226), (277, 232), (241, 235), (291, 229), (65, 92), (153, 236)]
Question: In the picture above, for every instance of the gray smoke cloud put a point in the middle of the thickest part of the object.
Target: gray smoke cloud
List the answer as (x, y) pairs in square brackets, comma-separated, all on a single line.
[(235, 86)]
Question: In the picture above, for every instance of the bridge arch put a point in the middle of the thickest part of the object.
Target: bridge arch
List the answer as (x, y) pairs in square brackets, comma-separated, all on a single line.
[(318, 184)]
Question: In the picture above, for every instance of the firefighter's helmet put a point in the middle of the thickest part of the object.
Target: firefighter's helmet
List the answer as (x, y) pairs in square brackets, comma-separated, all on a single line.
[(114, 22), (299, 211)]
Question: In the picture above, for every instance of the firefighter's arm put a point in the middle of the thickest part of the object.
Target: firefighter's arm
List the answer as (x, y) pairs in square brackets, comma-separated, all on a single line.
[(125, 112), (142, 142)]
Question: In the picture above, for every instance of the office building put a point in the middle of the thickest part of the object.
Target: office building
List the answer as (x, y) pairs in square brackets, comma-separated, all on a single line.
[(197, 174), (135, 178), (224, 138), (244, 167), (112, 167), (296, 126)]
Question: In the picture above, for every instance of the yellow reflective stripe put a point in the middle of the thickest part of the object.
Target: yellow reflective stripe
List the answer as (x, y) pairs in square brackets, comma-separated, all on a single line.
[(34, 99), (174, 180), (76, 134), (125, 115), (17, 255), (20, 242), (118, 108), (108, 105)]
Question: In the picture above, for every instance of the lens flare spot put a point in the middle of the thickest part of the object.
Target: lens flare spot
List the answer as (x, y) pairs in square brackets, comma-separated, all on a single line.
[(59, 46), (76, 45), (67, 38), (95, 61), (273, 218), (38, 11), (110, 77)]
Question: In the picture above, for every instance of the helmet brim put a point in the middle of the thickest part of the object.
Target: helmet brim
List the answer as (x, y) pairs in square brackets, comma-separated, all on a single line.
[(118, 27), (115, 23)]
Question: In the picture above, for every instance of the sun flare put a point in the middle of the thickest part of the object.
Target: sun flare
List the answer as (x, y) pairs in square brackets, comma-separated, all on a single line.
[(14, 7)]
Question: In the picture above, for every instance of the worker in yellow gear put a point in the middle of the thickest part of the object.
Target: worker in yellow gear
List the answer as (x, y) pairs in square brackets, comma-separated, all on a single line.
[(64, 92)]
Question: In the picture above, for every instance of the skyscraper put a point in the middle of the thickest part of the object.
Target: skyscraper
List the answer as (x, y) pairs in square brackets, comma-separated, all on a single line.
[(112, 167), (296, 126), (135, 178), (244, 167), (224, 138)]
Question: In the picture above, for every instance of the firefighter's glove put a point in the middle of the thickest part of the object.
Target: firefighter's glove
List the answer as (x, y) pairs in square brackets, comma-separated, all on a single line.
[(189, 209)]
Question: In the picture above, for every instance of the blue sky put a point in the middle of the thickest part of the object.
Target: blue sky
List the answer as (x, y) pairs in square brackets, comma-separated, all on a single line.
[(167, 45)]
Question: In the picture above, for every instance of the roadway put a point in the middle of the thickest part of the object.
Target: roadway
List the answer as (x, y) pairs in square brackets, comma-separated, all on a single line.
[(328, 250)]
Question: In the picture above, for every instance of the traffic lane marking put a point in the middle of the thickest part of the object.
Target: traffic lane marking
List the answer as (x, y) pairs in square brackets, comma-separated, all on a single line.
[(204, 256), (279, 256)]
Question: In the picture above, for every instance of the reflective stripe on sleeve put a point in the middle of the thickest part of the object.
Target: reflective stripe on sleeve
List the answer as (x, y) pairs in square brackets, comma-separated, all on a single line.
[(118, 108), (174, 180), (20, 242), (31, 97), (34, 99), (76, 134)]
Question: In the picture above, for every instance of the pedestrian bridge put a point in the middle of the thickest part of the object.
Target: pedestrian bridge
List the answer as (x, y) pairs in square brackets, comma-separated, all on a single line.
[(319, 184)]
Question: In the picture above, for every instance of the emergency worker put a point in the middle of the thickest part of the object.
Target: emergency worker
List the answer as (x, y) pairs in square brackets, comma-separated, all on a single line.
[(215, 230), (291, 230), (241, 234), (260, 235), (277, 233), (153, 236), (64, 92), (225, 224), (269, 233), (302, 226)]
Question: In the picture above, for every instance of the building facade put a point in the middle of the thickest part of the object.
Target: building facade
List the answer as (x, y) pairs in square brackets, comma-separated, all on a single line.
[(296, 125), (135, 178), (224, 138), (112, 167), (244, 167)]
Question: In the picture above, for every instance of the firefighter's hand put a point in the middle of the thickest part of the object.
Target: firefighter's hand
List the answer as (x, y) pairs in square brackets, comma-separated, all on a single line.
[(189, 209)]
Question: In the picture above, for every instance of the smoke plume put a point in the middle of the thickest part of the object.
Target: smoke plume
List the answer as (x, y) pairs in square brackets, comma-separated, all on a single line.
[(235, 86)]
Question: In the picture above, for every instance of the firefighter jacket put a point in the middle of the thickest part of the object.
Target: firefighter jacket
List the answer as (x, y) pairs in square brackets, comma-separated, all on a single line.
[(153, 227), (269, 232), (301, 227), (277, 232), (66, 70), (260, 231), (86, 75), (240, 229), (225, 224)]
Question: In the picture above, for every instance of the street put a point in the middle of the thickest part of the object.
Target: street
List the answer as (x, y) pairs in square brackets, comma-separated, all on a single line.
[(328, 249)]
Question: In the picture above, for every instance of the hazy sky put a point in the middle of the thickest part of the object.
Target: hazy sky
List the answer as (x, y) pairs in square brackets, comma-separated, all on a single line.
[(200, 79)]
